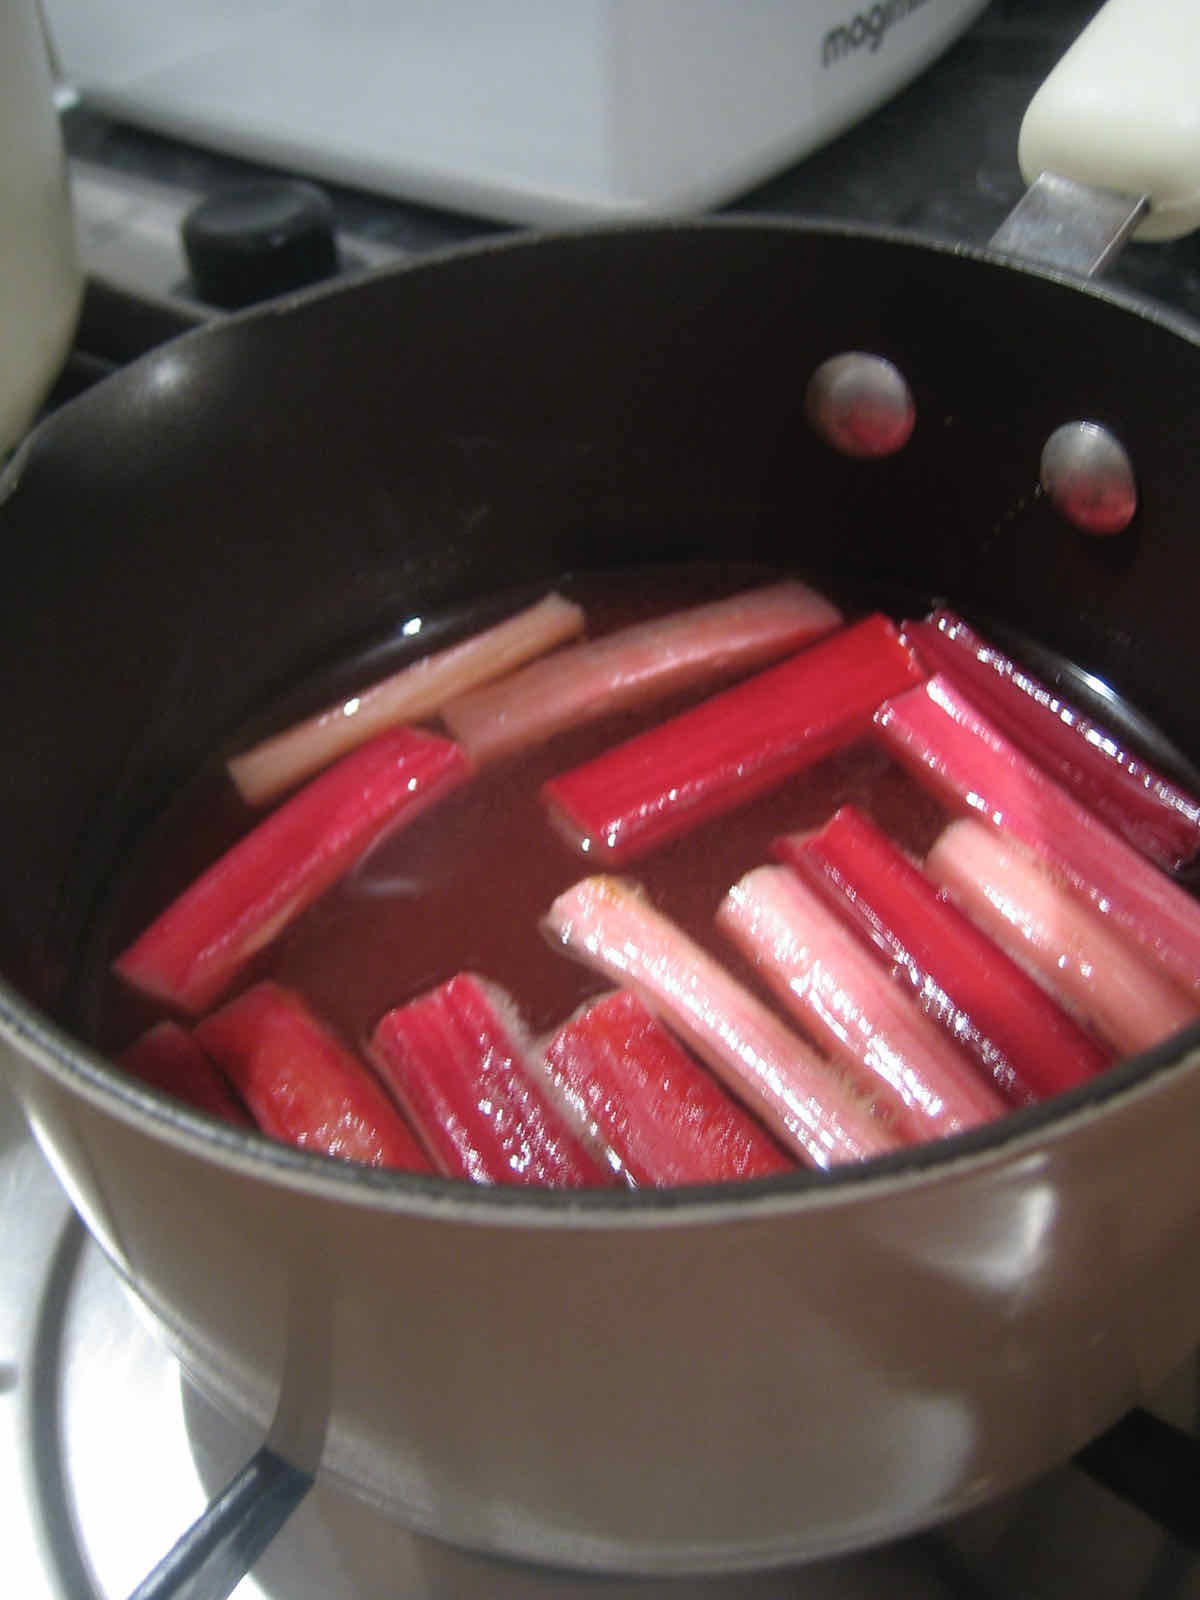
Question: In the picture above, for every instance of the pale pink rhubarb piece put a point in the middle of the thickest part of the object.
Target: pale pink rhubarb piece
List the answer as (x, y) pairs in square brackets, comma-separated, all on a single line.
[(458, 1062), (664, 1116), (1144, 807), (852, 1009), (950, 746), (168, 1058), (1128, 999), (1027, 1044), (733, 746), (802, 1098), (635, 666), (195, 948), (302, 1085), (409, 695)]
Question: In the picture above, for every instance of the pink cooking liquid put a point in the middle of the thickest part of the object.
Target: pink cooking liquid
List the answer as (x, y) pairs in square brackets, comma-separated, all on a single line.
[(465, 887)]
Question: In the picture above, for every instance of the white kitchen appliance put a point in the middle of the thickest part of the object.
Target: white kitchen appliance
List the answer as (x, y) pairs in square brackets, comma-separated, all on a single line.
[(534, 111)]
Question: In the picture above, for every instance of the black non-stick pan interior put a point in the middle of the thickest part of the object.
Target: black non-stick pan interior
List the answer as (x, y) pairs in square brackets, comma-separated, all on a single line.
[(253, 501)]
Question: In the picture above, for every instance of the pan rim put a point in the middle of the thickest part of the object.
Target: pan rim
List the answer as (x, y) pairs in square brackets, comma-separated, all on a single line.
[(1011, 1138), (802, 225)]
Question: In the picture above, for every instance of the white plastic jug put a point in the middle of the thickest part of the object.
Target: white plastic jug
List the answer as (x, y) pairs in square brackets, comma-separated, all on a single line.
[(41, 282)]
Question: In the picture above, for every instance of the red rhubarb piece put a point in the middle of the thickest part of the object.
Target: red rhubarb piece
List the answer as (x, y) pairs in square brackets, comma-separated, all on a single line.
[(806, 1101), (415, 692), (843, 999), (961, 979), (457, 1061), (302, 1085), (664, 1116), (636, 665), (1144, 807), (1127, 998), (949, 745), (733, 746), (191, 953), (168, 1058)]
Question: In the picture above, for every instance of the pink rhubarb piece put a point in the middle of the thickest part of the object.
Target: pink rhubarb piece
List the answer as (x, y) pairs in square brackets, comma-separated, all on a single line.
[(733, 746), (1144, 807), (853, 1010), (664, 1116), (950, 746), (409, 695), (302, 1085), (195, 949), (636, 665), (458, 1063), (167, 1057), (803, 1099), (960, 977), (1075, 951)]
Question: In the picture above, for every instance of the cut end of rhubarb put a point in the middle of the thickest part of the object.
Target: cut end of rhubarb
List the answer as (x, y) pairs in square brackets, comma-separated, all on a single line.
[(804, 1100), (666, 1118), (168, 1058), (302, 1085), (458, 1062)]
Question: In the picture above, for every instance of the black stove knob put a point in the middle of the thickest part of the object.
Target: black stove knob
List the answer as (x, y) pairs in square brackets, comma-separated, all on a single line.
[(258, 238)]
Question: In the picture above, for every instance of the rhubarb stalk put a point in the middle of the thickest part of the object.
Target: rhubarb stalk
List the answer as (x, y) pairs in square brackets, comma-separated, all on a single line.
[(195, 948), (168, 1058), (302, 1085), (946, 741), (733, 746), (960, 977), (1077, 955), (850, 1007), (1146, 808), (414, 692), (806, 1101), (458, 1063), (636, 665), (665, 1117)]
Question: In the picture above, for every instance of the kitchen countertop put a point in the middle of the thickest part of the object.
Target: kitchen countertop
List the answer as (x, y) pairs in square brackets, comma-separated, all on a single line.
[(939, 159)]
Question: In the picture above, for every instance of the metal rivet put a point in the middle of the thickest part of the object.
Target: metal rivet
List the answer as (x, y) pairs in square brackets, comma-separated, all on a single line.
[(861, 405), (1089, 478)]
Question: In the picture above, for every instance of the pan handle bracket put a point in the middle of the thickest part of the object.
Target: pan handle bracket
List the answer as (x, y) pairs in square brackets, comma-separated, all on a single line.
[(1071, 225)]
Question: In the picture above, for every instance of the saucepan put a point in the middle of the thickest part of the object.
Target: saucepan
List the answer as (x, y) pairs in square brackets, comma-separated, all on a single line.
[(699, 1379)]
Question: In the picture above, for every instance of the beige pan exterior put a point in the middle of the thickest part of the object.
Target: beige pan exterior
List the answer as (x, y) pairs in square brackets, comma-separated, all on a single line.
[(718, 1383)]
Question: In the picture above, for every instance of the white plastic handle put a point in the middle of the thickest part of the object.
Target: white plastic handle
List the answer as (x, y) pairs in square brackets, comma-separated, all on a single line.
[(1121, 111)]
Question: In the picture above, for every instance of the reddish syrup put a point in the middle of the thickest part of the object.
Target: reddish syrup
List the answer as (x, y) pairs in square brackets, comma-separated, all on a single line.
[(466, 885)]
